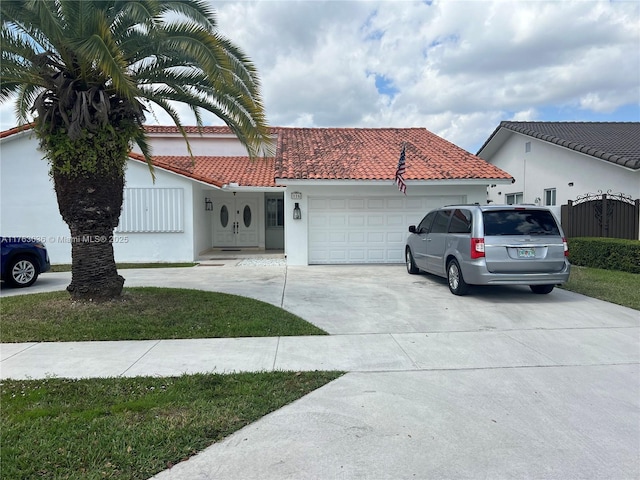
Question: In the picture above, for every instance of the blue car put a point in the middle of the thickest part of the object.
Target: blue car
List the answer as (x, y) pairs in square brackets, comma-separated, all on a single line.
[(23, 259)]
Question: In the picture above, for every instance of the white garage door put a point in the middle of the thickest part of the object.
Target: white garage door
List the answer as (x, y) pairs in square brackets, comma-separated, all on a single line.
[(365, 229)]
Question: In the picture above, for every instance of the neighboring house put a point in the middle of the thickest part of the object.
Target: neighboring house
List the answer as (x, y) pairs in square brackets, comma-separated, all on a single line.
[(339, 182), (553, 162)]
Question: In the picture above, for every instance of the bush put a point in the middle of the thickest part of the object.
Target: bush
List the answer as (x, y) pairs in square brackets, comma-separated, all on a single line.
[(605, 253)]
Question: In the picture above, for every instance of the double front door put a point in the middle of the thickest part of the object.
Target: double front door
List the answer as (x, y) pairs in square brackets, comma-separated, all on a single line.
[(236, 222)]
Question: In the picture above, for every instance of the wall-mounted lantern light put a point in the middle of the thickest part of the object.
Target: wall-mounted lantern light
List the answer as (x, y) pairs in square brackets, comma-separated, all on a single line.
[(297, 214), (208, 204)]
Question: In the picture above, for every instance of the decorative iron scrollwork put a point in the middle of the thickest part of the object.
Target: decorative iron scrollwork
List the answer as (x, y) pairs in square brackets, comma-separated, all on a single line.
[(588, 197)]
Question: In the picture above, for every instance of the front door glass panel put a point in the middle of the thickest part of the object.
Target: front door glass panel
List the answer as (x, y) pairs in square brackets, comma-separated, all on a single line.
[(246, 216), (224, 216)]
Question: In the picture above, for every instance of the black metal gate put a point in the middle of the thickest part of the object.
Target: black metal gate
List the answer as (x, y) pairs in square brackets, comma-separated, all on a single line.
[(602, 215)]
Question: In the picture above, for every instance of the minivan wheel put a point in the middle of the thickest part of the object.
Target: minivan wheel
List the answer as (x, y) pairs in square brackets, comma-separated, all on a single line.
[(411, 265), (22, 272), (457, 285), (541, 289)]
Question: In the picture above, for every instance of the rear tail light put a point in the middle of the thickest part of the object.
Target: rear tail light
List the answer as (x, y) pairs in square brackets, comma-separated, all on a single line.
[(566, 247), (477, 247)]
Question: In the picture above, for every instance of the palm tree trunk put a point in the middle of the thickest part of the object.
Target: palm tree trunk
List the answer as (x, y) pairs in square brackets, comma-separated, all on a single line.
[(90, 205)]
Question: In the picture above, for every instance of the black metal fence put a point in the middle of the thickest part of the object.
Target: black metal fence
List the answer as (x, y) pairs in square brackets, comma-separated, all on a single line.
[(602, 215)]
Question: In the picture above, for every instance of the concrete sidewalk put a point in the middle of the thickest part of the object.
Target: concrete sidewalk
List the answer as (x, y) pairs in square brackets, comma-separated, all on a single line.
[(498, 384), (352, 353)]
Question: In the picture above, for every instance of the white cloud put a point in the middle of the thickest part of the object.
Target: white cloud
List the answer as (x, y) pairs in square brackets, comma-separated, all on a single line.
[(455, 67)]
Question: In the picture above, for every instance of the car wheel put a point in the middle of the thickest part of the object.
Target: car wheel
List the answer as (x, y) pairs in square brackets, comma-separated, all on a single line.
[(541, 289), (457, 285), (22, 272), (411, 265)]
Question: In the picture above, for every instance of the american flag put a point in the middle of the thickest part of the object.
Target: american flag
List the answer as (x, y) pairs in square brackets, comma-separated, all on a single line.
[(400, 172)]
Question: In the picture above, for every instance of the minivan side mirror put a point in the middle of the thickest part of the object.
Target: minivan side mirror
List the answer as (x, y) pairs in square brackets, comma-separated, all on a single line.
[(412, 228)]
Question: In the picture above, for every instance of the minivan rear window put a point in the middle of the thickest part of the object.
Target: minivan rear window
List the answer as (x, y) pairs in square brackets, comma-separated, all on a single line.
[(519, 222)]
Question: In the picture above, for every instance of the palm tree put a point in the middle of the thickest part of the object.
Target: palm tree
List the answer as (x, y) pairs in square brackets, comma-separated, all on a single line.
[(88, 71)]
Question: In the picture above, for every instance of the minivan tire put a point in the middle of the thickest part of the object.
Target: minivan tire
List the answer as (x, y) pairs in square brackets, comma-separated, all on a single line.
[(541, 289), (22, 272), (456, 282), (411, 264)]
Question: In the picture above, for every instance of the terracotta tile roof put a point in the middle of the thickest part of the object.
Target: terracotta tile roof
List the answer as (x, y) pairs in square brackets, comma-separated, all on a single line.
[(373, 153), (332, 154), (218, 171), (221, 130), (615, 142)]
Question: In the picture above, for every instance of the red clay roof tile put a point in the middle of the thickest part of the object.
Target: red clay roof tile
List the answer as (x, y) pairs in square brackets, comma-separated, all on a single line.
[(219, 171), (332, 154), (373, 153)]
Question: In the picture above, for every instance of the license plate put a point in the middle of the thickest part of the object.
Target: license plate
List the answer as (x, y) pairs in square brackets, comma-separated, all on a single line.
[(526, 253)]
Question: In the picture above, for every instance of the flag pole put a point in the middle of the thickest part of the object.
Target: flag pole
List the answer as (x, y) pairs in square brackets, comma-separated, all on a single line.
[(400, 170)]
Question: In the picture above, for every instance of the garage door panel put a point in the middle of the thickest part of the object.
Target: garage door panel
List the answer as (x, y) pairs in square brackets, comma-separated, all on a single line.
[(395, 237), (318, 203), (365, 229), (356, 203), (395, 204), (357, 255), (337, 237), (375, 237), (357, 221), (356, 237), (339, 220), (396, 220), (375, 220), (375, 203)]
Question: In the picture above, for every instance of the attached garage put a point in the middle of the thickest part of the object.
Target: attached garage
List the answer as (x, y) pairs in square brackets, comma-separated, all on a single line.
[(365, 229)]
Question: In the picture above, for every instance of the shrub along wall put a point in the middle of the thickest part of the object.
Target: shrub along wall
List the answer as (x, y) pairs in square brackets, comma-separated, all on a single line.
[(607, 253)]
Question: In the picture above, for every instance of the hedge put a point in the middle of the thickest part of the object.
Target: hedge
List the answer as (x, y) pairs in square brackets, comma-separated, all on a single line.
[(606, 253)]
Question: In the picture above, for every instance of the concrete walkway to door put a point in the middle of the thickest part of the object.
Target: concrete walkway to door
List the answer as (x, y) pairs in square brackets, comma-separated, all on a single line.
[(501, 383)]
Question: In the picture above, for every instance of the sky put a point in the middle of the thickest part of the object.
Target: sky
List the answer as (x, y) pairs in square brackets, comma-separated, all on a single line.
[(456, 68)]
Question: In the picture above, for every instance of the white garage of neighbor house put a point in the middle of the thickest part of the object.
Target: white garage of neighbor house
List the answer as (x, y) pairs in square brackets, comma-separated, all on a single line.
[(327, 197)]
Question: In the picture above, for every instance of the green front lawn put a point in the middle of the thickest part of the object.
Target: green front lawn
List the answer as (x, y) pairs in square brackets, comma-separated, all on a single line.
[(132, 428), (145, 313), (612, 286)]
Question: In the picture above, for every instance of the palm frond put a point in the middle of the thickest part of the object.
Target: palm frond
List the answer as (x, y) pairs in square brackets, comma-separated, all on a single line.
[(86, 63)]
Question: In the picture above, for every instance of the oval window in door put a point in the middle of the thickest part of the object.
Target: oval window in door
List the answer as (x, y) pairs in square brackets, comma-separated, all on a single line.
[(246, 216), (224, 216)]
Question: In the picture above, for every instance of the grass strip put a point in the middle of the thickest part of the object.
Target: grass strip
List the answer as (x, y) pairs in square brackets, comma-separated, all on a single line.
[(621, 288), (143, 314), (132, 428)]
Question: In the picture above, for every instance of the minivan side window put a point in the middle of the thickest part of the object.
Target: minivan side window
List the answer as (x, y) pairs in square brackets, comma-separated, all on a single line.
[(441, 221), (519, 222), (460, 221), (425, 224)]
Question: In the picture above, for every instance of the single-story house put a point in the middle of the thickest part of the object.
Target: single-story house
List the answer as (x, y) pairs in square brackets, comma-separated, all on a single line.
[(327, 197), (553, 162)]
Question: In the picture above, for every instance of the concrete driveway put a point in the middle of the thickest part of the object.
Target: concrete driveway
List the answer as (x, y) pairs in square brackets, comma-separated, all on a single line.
[(498, 384)]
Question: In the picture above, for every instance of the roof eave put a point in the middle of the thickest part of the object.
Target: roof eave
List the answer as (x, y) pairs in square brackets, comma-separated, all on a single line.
[(347, 182)]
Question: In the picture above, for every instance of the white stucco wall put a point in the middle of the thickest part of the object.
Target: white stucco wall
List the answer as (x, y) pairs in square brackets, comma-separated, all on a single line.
[(296, 231), (552, 166), (158, 247), (28, 204), (28, 207), (207, 145)]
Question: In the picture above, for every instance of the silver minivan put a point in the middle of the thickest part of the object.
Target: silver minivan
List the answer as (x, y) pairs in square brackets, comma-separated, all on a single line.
[(490, 245)]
